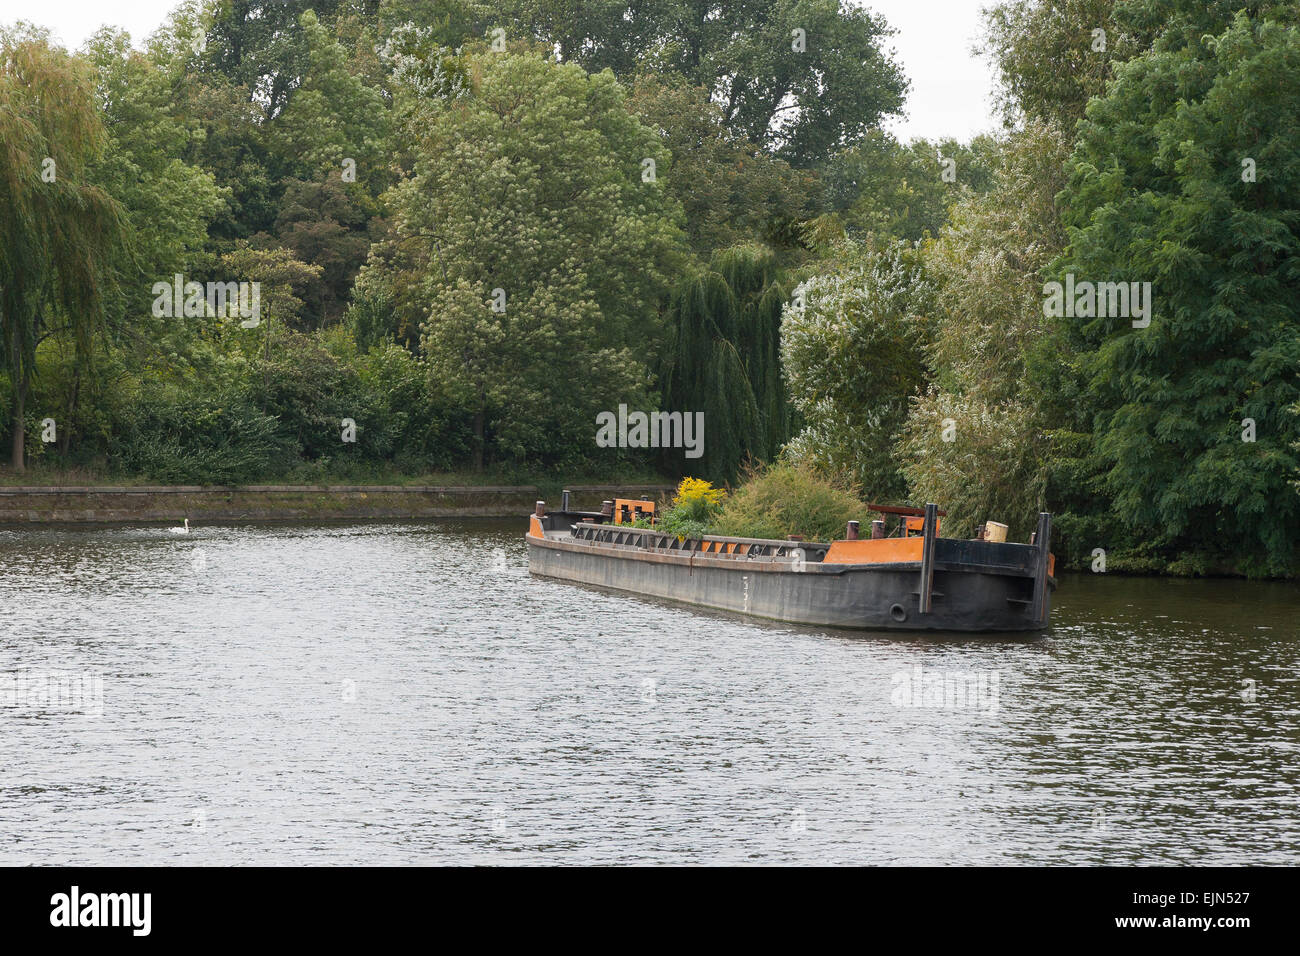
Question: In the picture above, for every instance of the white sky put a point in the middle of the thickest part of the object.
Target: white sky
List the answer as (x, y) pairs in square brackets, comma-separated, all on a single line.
[(951, 88)]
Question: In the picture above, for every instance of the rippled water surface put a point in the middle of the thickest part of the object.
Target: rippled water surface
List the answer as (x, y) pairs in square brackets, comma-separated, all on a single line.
[(407, 693)]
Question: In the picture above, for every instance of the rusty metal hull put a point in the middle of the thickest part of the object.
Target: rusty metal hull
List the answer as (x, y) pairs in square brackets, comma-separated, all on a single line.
[(967, 595)]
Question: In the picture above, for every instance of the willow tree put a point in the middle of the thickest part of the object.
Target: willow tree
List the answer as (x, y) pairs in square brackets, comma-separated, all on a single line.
[(57, 230), (726, 360), (752, 274)]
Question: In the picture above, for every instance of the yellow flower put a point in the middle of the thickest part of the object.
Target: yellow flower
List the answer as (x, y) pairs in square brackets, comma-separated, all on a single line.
[(693, 490)]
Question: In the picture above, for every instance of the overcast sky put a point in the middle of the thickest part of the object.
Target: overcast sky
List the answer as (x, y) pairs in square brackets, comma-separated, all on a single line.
[(950, 86)]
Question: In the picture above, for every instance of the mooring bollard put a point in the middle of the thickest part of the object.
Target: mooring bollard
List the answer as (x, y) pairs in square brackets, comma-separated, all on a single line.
[(878, 528), (851, 532), (607, 509), (564, 500), (540, 509)]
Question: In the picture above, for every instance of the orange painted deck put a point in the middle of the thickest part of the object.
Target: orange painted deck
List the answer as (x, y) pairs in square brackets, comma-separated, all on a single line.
[(874, 551)]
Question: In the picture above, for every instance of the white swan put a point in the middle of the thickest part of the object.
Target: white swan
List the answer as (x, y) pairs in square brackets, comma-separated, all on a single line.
[(184, 530)]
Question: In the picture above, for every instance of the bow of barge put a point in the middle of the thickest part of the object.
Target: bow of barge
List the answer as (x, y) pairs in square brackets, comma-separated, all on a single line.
[(919, 582)]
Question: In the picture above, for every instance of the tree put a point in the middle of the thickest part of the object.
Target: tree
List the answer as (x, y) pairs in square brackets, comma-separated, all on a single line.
[(852, 340), (543, 252), (1187, 176), (732, 192), (58, 230), (324, 226), (884, 188), (800, 78), (1050, 57), (452, 22), (257, 45), (725, 360), (334, 122), (234, 67), (281, 279), (229, 140), (976, 440), (167, 203)]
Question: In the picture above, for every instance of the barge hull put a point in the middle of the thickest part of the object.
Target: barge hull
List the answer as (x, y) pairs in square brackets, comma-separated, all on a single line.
[(882, 597)]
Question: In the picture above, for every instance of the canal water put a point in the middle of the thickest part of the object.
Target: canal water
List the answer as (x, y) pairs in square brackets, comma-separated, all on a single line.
[(407, 693)]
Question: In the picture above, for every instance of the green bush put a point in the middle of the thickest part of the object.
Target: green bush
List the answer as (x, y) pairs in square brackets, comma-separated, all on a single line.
[(405, 420), (219, 440), (787, 499), (310, 390)]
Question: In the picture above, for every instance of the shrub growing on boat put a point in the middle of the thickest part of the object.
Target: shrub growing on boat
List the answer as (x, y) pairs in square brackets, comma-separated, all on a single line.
[(693, 509), (786, 499)]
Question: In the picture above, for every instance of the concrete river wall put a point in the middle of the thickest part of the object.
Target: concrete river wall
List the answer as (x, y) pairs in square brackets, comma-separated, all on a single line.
[(108, 504)]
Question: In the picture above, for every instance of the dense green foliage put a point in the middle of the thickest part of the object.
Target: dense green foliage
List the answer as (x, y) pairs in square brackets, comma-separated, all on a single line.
[(1053, 56), (477, 230), (885, 189), (730, 190), (1170, 446), (801, 97), (539, 253), (976, 439), (1158, 193), (58, 229)]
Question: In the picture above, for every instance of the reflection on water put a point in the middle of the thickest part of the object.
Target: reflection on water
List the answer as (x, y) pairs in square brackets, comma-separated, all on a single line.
[(407, 693)]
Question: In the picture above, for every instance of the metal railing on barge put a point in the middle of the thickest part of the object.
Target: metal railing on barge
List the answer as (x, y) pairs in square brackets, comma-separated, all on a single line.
[(651, 540)]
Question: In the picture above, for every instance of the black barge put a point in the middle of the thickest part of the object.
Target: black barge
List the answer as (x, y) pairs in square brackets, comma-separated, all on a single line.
[(912, 582)]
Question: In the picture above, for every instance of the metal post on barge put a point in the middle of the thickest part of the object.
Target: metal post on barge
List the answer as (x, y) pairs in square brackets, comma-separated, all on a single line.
[(927, 555), (1043, 541)]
